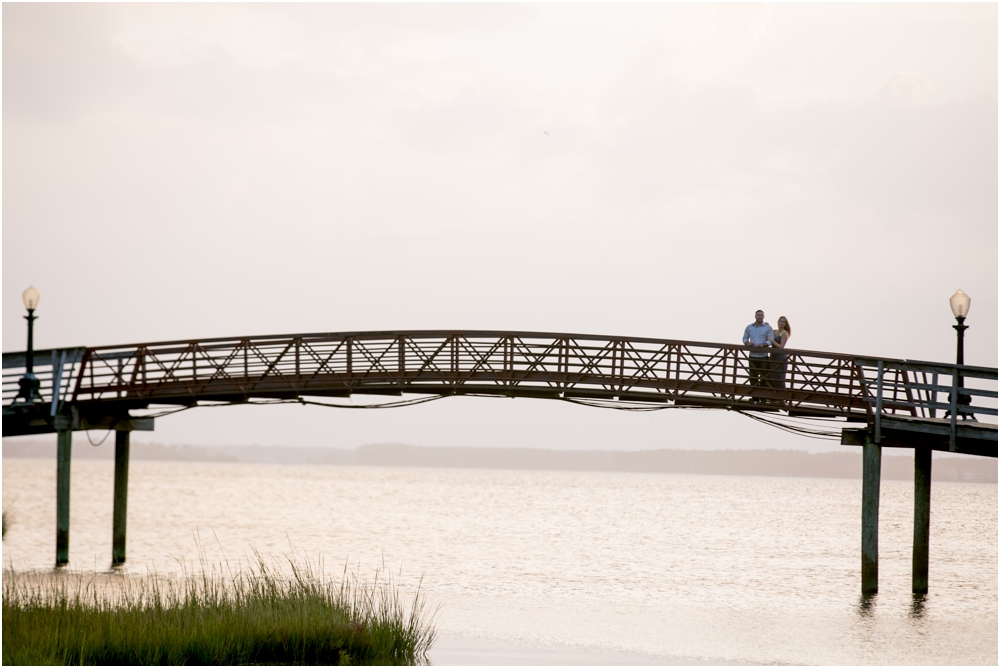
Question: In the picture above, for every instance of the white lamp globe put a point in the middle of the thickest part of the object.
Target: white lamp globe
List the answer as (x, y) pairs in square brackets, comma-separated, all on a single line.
[(30, 297), (960, 304)]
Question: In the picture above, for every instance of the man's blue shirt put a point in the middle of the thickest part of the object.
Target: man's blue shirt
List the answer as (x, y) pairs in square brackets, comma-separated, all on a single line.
[(757, 335)]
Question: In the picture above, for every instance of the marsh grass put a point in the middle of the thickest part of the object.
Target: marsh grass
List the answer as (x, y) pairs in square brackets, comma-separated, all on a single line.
[(266, 613)]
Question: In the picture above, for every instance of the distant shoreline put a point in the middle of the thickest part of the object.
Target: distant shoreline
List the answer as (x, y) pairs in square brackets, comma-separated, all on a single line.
[(775, 463)]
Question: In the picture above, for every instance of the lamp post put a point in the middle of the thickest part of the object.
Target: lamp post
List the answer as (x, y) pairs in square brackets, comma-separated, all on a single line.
[(29, 384), (960, 303)]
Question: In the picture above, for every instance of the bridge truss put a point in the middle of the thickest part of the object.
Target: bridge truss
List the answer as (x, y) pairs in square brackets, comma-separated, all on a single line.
[(898, 400)]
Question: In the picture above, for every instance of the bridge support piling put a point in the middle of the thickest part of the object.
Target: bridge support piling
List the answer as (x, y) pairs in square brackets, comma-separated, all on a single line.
[(921, 517), (64, 454), (871, 479), (121, 497)]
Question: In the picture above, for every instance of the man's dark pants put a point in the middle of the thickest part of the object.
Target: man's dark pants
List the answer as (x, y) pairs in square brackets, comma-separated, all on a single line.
[(759, 371)]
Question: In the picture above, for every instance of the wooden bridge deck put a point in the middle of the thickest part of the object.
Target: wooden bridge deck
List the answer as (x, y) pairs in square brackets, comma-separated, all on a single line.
[(105, 385)]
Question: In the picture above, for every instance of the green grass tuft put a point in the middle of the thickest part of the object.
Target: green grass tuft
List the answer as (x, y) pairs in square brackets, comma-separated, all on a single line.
[(253, 616)]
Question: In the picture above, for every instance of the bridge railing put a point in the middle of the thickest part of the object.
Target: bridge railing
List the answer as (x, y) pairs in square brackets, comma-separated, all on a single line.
[(929, 391), (56, 371), (566, 366)]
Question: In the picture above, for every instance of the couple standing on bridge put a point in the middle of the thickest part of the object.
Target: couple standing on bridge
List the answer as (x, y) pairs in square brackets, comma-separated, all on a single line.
[(767, 369)]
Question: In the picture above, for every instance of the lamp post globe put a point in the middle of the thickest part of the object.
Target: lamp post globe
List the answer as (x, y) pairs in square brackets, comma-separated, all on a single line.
[(960, 303), (30, 298)]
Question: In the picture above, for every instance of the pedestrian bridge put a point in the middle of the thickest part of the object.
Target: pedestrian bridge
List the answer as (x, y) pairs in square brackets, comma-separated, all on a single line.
[(874, 402), (900, 403)]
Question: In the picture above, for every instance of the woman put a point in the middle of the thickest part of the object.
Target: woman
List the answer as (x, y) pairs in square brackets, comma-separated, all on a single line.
[(779, 363)]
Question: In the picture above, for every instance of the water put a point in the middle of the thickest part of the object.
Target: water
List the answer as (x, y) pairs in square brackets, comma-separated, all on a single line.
[(709, 568)]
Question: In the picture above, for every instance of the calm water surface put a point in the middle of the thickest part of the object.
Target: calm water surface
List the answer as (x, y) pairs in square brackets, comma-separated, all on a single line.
[(703, 567)]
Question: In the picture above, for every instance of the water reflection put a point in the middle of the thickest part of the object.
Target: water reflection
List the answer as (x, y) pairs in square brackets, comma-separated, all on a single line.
[(917, 606), (866, 605)]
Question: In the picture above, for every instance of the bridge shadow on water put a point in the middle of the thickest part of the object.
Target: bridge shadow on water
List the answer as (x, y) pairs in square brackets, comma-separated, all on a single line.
[(917, 606), (868, 604)]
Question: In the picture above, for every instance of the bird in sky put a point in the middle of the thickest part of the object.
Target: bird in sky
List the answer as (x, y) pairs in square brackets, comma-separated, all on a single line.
[(546, 132)]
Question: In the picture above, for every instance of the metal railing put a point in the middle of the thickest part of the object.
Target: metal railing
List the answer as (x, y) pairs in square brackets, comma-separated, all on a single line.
[(439, 362), (56, 370), (564, 366), (929, 392)]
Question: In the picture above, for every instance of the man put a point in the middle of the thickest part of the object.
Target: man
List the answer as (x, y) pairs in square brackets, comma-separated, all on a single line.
[(758, 337)]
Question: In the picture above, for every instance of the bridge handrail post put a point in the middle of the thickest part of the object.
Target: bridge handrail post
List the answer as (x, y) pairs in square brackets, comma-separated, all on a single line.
[(954, 409), (878, 403), (933, 396), (57, 382)]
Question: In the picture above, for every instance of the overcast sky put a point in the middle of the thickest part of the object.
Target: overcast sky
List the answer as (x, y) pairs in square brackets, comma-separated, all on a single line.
[(182, 171)]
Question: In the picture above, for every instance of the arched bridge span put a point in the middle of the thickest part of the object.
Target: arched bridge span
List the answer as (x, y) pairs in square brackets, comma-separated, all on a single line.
[(106, 384)]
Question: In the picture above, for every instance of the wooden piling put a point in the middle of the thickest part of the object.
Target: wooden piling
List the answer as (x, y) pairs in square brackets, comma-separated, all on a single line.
[(921, 517), (121, 497), (64, 454), (871, 478)]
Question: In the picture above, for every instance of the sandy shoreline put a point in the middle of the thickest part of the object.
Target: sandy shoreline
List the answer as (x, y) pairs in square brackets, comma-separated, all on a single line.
[(457, 650)]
